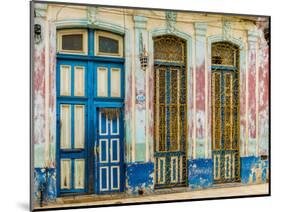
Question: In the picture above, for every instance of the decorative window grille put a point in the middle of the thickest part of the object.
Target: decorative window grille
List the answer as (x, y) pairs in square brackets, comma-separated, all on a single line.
[(169, 49), (170, 94), (170, 111), (225, 111)]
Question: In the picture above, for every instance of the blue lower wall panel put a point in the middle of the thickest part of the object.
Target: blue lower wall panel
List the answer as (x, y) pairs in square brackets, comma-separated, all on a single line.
[(253, 170), (200, 173), (139, 177), (48, 186)]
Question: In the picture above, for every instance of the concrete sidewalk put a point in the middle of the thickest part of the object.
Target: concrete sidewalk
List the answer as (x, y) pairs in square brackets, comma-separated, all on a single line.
[(92, 200)]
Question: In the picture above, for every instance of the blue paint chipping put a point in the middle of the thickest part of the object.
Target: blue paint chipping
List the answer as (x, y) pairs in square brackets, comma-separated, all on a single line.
[(139, 177), (200, 173), (48, 186), (251, 168)]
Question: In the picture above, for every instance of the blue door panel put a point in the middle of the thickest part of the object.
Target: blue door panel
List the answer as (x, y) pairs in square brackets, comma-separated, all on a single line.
[(110, 147)]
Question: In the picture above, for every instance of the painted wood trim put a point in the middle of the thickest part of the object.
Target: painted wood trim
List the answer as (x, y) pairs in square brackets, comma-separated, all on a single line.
[(117, 140), (101, 140), (82, 32), (77, 90), (107, 178), (118, 177), (82, 125), (118, 125), (82, 161), (114, 93), (104, 83), (119, 38)]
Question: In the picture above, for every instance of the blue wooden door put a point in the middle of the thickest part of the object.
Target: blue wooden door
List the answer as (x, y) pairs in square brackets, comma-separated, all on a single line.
[(170, 125), (109, 150), (72, 116)]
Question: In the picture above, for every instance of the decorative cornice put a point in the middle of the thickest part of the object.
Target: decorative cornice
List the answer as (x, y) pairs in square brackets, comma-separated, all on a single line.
[(140, 22), (200, 29), (171, 19), (40, 10)]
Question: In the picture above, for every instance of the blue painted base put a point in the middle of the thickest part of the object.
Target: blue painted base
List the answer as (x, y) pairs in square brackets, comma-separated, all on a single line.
[(200, 173), (139, 178), (253, 170), (48, 187)]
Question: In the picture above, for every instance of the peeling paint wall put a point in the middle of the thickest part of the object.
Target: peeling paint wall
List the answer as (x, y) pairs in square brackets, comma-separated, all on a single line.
[(139, 91), (39, 97), (200, 173), (139, 178)]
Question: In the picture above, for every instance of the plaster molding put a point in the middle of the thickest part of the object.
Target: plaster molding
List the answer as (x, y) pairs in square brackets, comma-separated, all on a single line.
[(200, 29), (92, 14), (252, 38), (40, 10), (85, 23), (140, 22), (171, 19), (226, 30)]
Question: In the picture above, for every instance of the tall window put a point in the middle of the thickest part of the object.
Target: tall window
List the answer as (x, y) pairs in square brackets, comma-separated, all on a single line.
[(225, 112), (170, 103), (170, 93)]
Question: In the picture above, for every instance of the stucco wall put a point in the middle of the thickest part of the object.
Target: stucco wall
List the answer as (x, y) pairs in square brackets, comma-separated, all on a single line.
[(199, 31)]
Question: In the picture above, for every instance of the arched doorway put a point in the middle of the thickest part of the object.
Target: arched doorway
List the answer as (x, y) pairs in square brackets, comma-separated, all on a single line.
[(170, 111), (225, 112)]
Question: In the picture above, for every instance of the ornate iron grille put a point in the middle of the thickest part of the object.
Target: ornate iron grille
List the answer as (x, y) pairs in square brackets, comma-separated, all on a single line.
[(170, 114), (225, 112), (169, 49), (224, 54)]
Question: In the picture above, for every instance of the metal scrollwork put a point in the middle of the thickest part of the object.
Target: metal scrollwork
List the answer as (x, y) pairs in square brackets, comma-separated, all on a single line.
[(225, 112), (169, 49), (170, 106)]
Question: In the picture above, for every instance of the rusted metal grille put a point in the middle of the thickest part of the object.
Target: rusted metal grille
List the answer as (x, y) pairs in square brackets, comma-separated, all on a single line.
[(170, 115), (169, 49), (225, 112), (224, 53)]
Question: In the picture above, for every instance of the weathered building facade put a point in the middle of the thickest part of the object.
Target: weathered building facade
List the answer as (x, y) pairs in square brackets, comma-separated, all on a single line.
[(133, 100)]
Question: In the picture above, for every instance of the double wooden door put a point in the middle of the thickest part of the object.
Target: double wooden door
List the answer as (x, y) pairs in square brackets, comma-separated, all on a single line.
[(90, 141)]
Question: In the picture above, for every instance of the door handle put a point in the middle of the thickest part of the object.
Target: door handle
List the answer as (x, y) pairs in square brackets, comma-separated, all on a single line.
[(97, 150)]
